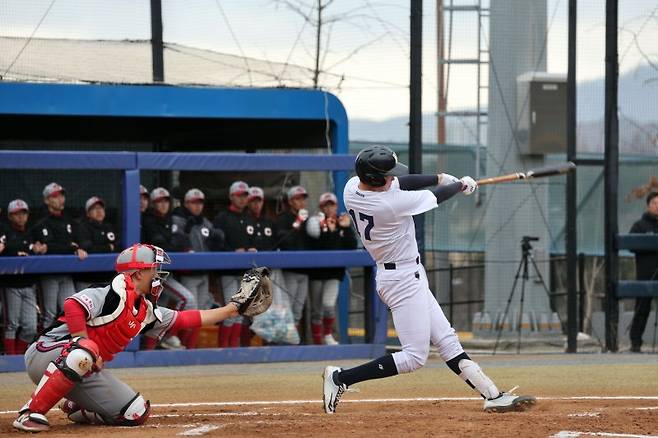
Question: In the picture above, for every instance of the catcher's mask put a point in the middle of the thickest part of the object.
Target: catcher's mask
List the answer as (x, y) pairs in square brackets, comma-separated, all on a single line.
[(144, 256)]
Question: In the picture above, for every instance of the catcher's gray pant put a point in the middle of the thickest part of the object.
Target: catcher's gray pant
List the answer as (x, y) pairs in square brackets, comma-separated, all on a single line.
[(54, 290), (230, 285), (297, 291), (323, 299), (21, 311), (199, 286), (175, 291), (101, 392)]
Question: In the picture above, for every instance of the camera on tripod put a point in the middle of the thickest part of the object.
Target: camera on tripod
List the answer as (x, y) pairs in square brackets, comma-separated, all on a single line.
[(525, 243)]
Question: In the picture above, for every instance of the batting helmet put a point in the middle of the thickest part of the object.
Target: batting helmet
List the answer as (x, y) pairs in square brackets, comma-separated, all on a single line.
[(374, 163), (143, 256)]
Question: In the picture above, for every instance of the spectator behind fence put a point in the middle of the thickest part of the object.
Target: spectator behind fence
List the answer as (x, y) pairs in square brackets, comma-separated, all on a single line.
[(20, 293), (646, 268), (327, 231), (159, 230), (233, 222), (95, 235), (262, 234), (143, 207), (203, 237), (55, 232), (291, 236)]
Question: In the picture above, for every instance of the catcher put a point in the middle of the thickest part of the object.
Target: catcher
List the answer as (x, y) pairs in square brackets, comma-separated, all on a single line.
[(99, 322)]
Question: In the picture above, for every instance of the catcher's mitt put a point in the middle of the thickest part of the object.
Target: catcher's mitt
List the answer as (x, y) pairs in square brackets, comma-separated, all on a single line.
[(255, 293)]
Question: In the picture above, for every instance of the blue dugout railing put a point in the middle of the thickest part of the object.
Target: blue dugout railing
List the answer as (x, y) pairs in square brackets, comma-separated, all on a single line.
[(132, 162)]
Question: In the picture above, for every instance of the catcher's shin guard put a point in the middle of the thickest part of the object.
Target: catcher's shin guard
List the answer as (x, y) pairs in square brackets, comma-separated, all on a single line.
[(77, 360)]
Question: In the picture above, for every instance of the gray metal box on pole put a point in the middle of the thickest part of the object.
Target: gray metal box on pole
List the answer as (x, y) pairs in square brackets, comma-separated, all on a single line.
[(542, 125)]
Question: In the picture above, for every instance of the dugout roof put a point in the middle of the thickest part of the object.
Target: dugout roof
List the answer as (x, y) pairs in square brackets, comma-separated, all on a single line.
[(173, 118)]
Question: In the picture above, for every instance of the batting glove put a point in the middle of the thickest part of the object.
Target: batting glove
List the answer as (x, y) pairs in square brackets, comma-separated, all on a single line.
[(469, 186), (446, 179)]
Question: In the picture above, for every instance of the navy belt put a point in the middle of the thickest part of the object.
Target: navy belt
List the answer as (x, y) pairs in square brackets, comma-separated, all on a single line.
[(392, 266)]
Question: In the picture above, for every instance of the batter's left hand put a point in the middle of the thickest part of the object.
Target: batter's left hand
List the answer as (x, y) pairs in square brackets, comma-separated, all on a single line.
[(469, 185)]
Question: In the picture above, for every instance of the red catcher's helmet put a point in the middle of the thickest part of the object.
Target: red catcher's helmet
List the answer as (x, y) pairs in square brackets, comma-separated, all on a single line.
[(144, 256)]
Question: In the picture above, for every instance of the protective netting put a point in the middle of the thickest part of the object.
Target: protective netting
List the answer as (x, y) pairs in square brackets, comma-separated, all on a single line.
[(363, 58)]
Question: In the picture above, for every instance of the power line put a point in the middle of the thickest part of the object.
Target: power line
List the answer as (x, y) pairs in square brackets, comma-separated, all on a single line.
[(29, 39)]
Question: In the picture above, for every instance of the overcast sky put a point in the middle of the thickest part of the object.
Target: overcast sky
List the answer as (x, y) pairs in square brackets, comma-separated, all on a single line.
[(368, 43)]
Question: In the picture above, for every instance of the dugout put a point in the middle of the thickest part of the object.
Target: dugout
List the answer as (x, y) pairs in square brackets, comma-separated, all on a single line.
[(107, 137)]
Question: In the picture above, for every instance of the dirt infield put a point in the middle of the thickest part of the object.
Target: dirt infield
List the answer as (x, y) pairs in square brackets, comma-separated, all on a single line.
[(284, 400)]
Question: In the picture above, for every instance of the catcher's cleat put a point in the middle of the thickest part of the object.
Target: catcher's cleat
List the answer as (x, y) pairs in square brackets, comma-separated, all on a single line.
[(31, 422), (507, 402), (331, 392)]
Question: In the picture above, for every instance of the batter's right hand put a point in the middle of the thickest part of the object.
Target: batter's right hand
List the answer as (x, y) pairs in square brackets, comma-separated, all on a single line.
[(469, 185)]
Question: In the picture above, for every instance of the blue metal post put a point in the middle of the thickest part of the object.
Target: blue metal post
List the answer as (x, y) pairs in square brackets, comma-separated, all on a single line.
[(344, 311), (131, 214)]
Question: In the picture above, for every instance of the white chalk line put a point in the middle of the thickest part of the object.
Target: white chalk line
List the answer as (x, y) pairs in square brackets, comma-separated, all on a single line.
[(585, 414), (575, 434), (370, 400), (201, 430), (648, 408)]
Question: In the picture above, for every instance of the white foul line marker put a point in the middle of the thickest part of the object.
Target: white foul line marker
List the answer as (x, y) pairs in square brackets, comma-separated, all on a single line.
[(575, 434), (201, 430), (369, 400)]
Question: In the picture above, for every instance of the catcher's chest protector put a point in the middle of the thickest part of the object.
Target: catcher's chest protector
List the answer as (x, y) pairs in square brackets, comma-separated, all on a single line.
[(113, 332)]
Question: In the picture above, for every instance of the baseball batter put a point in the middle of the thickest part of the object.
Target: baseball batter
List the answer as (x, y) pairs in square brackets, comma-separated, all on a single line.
[(98, 323), (382, 201)]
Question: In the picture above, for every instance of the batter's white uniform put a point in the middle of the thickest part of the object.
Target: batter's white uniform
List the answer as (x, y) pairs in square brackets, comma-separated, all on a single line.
[(384, 221)]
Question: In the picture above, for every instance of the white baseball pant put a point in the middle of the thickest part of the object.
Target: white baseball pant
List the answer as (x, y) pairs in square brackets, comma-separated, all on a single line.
[(417, 317)]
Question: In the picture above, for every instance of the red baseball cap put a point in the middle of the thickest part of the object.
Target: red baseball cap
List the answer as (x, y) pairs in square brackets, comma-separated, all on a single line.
[(238, 188), (17, 205), (296, 191), (52, 189), (194, 195), (328, 197), (255, 192), (159, 193), (93, 201)]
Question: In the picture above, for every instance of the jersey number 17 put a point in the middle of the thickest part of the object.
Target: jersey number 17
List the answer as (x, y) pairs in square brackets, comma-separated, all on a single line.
[(370, 223)]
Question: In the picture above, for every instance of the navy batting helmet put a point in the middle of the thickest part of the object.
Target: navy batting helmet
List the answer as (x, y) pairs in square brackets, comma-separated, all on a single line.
[(376, 162)]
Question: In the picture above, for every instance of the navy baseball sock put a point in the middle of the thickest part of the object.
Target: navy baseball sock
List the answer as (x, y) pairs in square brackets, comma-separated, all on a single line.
[(377, 369)]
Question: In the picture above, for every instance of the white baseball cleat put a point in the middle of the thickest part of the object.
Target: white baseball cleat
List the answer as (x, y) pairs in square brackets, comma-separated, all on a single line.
[(507, 401), (31, 422), (329, 340), (172, 343), (331, 392)]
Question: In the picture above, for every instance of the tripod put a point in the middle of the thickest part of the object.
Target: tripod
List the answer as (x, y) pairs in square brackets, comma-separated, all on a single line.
[(522, 272)]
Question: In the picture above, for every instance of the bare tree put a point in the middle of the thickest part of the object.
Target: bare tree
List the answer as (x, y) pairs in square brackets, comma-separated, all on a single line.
[(316, 14)]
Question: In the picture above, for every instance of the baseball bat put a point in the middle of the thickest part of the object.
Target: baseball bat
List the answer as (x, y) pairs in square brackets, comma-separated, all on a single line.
[(542, 172)]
